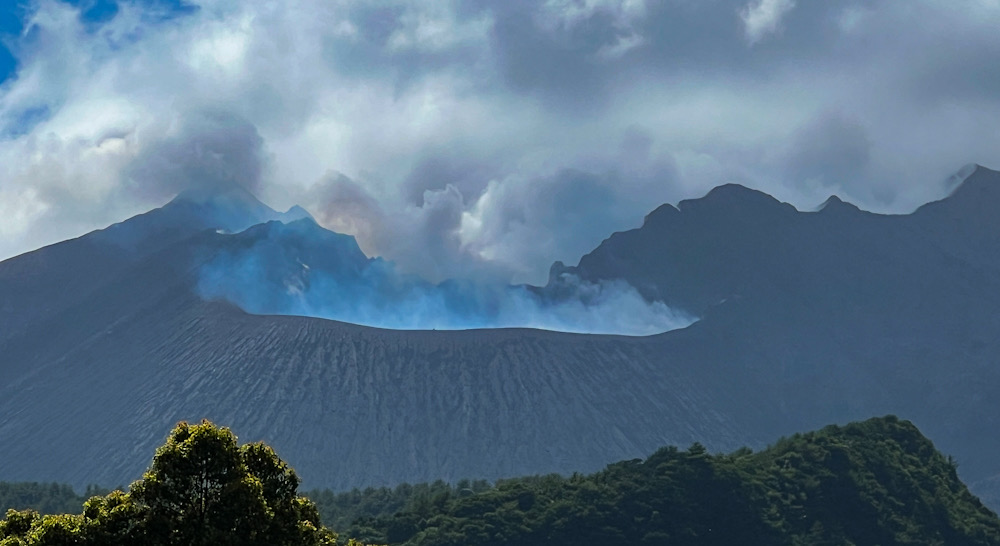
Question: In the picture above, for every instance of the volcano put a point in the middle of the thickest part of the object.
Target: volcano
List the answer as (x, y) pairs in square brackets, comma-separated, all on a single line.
[(802, 319)]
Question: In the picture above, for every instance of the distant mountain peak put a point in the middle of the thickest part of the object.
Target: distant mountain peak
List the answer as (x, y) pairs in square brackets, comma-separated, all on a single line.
[(661, 214), (230, 197), (979, 179), (956, 180), (232, 207), (836, 204), (976, 195), (231, 193), (296, 213), (733, 190), (733, 198), (725, 200)]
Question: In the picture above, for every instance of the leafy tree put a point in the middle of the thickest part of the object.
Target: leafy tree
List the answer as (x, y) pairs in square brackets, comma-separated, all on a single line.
[(16, 525), (201, 488), (114, 519), (198, 490)]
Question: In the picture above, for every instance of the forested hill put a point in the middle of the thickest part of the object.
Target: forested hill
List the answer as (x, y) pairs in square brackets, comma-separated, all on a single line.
[(875, 482)]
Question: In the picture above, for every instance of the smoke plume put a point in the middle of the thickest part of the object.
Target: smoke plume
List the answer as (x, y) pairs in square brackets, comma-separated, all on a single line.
[(302, 269)]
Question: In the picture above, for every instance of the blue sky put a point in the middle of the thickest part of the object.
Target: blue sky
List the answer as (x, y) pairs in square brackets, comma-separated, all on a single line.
[(11, 25), (93, 13), (487, 137)]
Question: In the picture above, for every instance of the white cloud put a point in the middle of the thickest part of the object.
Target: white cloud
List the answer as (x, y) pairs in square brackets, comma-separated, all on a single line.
[(557, 16), (434, 28), (572, 12), (763, 17), (419, 105)]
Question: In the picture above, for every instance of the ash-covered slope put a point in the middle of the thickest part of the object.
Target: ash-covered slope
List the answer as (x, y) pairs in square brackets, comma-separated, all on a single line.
[(352, 406)]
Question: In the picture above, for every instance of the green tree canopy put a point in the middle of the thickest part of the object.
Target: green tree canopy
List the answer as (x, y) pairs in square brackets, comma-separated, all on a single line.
[(878, 482), (201, 488)]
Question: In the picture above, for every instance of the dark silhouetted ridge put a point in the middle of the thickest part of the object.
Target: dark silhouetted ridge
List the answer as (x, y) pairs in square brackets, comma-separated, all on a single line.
[(730, 198)]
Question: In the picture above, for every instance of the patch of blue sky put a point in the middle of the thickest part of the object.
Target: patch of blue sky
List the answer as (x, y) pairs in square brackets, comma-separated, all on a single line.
[(26, 120), (12, 15), (93, 13), (97, 12), (165, 10)]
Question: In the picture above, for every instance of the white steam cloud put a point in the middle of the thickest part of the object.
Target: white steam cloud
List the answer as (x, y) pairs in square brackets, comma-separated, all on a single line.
[(301, 269)]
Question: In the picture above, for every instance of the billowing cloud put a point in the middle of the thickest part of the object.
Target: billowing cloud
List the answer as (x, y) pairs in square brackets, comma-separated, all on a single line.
[(482, 138), (506, 229), (205, 150)]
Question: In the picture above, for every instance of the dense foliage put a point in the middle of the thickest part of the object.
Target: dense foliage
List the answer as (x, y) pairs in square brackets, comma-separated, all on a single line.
[(202, 488), (879, 482), (876, 482), (349, 510)]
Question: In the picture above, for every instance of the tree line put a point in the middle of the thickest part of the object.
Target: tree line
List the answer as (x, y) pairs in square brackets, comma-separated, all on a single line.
[(875, 482)]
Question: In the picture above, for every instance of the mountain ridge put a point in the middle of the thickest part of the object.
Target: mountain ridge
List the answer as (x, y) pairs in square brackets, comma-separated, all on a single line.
[(807, 318)]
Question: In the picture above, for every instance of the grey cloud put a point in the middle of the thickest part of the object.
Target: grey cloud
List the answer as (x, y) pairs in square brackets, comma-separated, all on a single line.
[(421, 238), (434, 242), (437, 171), (567, 63), (952, 60), (380, 44), (208, 149), (511, 231), (571, 199), (362, 51), (532, 58), (345, 207), (470, 215), (677, 37), (763, 18), (686, 37), (565, 215), (681, 39), (833, 152), (636, 145), (483, 137)]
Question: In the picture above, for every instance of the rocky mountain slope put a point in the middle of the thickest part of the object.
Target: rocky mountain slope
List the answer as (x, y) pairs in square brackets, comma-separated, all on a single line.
[(806, 318)]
